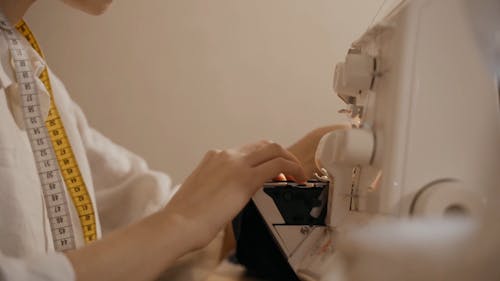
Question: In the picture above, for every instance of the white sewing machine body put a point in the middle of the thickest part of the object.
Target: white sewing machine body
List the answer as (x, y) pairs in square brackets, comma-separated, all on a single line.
[(422, 95)]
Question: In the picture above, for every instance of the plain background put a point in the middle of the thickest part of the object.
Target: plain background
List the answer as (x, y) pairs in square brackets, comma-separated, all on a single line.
[(172, 79)]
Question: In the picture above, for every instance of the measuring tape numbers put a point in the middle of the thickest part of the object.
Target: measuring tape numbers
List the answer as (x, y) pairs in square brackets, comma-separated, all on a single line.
[(55, 160)]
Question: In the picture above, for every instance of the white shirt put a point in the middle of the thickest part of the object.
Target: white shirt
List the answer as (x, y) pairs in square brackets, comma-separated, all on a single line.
[(121, 185)]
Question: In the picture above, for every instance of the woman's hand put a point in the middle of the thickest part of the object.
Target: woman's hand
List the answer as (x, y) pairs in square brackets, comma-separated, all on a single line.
[(223, 183), (305, 148), (210, 197)]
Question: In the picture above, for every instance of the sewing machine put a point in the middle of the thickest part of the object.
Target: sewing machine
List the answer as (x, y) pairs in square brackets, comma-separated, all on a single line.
[(421, 89)]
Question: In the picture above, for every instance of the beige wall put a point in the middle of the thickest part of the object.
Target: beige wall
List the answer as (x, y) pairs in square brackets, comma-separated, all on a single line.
[(172, 79)]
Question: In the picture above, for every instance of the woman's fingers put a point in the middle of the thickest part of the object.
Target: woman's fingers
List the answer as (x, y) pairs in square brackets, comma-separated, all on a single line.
[(280, 177), (252, 147), (264, 152), (270, 169)]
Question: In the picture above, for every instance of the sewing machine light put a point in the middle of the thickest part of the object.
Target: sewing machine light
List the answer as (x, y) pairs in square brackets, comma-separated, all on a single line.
[(339, 86), (353, 82), (359, 72), (354, 76)]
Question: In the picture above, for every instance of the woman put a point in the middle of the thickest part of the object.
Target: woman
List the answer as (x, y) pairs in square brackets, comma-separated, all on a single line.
[(127, 202)]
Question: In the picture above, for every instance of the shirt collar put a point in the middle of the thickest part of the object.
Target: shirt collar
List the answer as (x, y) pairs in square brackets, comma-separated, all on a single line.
[(9, 82), (7, 74)]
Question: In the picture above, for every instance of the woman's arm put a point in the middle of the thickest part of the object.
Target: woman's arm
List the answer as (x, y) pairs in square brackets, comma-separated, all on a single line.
[(141, 251), (210, 197)]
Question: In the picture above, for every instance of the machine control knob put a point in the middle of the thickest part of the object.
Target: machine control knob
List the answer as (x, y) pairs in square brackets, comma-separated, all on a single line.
[(339, 152), (345, 147), (448, 197)]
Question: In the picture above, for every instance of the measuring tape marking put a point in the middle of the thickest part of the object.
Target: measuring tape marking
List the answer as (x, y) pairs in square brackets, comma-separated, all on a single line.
[(51, 148), (67, 163)]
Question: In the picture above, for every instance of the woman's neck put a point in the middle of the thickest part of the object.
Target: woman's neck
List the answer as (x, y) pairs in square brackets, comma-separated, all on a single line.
[(14, 10)]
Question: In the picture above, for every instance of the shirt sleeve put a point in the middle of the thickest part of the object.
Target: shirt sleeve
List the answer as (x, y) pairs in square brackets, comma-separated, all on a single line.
[(52, 266), (126, 188)]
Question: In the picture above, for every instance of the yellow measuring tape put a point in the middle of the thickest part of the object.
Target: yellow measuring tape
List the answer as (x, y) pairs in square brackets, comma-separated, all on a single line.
[(64, 153)]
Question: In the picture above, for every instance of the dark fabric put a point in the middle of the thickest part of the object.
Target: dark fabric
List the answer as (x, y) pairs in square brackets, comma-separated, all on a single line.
[(256, 248)]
